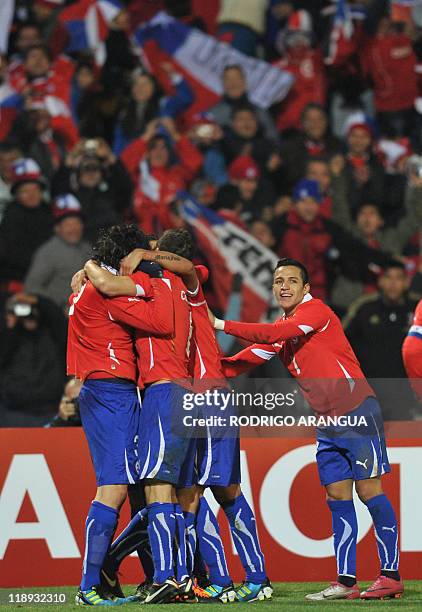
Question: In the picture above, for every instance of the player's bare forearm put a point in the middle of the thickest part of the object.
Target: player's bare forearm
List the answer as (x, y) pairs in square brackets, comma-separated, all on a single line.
[(169, 261), (107, 283)]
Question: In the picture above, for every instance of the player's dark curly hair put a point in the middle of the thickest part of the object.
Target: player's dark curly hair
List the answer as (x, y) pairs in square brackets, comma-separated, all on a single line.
[(116, 242), (287, 261), (177, 241)]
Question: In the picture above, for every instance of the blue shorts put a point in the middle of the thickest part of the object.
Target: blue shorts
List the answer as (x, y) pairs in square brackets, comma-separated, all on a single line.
[(356, 452), (218, 461), (110, 413), (218, 457), (166, 452)]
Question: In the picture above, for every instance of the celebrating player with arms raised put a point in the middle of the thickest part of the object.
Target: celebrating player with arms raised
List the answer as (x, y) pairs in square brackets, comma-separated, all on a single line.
[(310, 341)]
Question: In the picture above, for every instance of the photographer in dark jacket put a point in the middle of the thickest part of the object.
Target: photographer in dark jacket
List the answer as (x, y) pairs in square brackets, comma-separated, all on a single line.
[(32, 361), (99, 181), (68, 414)]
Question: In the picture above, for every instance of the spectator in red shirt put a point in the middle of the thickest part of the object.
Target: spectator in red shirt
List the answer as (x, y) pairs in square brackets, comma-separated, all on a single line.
[(38, 75), (156, 175), (306, 65), (389, 61)]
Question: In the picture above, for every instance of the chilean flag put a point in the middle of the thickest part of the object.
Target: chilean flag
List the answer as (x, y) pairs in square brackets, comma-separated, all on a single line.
[(87, 24), (342, 42), (241, 266), (201, 59), (11, 103)]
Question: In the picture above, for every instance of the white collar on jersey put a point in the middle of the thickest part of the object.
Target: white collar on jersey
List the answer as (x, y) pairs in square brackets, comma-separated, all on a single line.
[(306, 298), (110, 269)]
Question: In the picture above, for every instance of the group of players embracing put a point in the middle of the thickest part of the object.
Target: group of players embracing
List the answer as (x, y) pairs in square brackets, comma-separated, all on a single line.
[(146, 331), (139, 327)]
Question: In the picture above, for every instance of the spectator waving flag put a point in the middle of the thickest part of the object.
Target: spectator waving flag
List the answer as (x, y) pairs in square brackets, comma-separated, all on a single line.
[(201, 58), (87, 24), (342, 42), (237, 261)]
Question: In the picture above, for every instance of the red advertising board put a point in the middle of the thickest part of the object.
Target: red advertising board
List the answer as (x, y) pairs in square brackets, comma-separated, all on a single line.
[(47, 484)]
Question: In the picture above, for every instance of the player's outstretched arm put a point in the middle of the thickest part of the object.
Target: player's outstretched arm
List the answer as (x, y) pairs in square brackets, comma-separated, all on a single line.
[(112, 285), (265, 333), (284, 329), (247, 359), (169, 261)]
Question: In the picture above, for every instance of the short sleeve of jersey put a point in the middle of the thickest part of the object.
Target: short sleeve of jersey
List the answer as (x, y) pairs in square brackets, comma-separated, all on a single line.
[(143, 284), (313, 316)]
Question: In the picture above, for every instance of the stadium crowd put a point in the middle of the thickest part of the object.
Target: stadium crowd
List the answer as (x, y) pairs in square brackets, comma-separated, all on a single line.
[(331, 175)]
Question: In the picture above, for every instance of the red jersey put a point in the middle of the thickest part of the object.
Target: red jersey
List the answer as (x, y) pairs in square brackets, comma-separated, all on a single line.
[(313, 347), (156, 188), (390, 61), (100, 336), (167, 358), (310, 84), (57, 82), (205, 350), (412, 351)]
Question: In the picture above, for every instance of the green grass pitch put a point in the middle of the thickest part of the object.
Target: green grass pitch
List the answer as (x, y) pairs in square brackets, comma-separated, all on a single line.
[(288, 596)]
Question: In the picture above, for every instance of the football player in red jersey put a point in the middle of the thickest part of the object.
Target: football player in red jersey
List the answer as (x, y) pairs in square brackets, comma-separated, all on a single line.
[(310, 341), (101, 354), (412, 352), (166, 458)]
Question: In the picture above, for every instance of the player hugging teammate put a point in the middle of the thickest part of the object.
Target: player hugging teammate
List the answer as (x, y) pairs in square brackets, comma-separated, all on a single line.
[(147, 329), (155, 332)]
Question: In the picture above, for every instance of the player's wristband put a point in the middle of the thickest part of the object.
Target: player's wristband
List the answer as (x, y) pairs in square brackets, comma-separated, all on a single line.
[(219, 324), (193, 293)]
